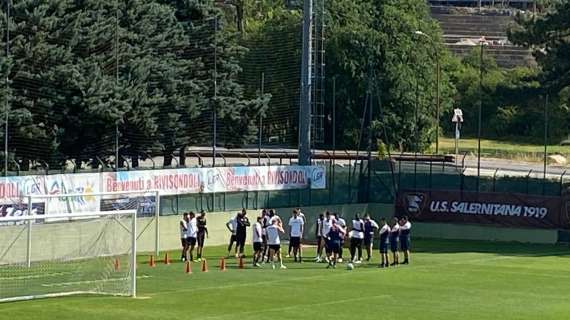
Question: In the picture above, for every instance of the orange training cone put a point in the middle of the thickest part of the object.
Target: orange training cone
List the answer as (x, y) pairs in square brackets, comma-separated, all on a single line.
[(166, 258), (223, 264), (204, 265), (188, 267), (241, 266), (151, 262), (116, 264)]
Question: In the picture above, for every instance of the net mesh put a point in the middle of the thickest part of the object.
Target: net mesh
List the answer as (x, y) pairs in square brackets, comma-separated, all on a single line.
[(63, 256)]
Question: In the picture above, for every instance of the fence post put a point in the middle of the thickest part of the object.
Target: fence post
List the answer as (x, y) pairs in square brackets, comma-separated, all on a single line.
[(29, 250), (157, 225), (528, 180), (495, 179), (561, 180)]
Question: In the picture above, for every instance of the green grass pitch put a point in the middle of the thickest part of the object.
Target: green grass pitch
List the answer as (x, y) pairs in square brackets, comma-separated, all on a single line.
[(446, 280)]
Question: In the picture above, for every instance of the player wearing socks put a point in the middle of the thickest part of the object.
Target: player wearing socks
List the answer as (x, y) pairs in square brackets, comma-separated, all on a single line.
[(384, 235), (356, 236), (302, 216), (405, 241), (202, 233), (183, 230), (232, 227), (369, 227), (296, 228), (394, 235), (191, 234), (327, 224), (274, 243), (334, 236), (242, 223), (264, 225), (341, 222), (257, 242)]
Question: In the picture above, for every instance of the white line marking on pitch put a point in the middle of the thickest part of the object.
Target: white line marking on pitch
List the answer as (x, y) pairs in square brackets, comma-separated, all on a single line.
[(324, 303), (36, 276), (67, 284)]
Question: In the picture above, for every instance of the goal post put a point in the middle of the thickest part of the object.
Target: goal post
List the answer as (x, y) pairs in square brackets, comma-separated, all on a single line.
[(147, 204), (74, 253)]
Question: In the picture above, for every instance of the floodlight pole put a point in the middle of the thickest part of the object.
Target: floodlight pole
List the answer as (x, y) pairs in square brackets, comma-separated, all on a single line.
[(479, 116), (7, 106), (260, 122), (305, 98), (545, 142), (214, 111)]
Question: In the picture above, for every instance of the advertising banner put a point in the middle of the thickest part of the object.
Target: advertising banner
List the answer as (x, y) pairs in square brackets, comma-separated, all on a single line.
[(84, 183), (222, 179), (500, 209), (13, 190)]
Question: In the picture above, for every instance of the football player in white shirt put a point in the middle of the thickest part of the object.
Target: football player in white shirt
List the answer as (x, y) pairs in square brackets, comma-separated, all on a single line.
[(296, 229), (356, 237), (327, 224), (302, 216), (274, 243), (394, 235), (257, 242), (183, 229), (232, 227), (342, 223), (384, 235), (405, 230), (191, 234), (369, 227), (319, 237)]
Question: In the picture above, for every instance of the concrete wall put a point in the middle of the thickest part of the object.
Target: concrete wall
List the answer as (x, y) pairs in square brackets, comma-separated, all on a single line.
[(92, 238)]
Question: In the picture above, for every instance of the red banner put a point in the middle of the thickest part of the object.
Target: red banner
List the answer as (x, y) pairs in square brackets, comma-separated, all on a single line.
[(501, 209)]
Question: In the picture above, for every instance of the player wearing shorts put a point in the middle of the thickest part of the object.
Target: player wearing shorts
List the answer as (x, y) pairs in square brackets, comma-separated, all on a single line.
[(369, 227), (183, 229), (384, 235), (296, 228), (191, 234), (341, 222), (319, 237), (232, 227), (334, 236), (257, 242), (264, 225), (274, 243), (241, 231), (327, 224), (356, 236), (394, 235), (202, 233), (405, 242), (302, 216)]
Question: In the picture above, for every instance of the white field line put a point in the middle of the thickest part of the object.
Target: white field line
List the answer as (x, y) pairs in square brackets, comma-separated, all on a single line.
[(67, 284), (235, 315), (36, 276)]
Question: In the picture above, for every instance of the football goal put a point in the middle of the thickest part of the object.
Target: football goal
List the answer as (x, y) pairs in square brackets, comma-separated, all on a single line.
[(71, 244)]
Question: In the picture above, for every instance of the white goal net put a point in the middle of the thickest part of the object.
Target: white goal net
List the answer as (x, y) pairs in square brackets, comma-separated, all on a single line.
[(61, 247)]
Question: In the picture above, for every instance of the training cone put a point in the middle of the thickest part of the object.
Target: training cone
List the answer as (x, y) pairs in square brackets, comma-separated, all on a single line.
[(222, 264), (116, 264), (241, 265), (188, 268), (204, 265), (166, 258), (151, 262)]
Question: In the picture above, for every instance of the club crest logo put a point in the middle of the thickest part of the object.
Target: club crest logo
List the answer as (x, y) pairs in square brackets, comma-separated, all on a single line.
[(414, 202)]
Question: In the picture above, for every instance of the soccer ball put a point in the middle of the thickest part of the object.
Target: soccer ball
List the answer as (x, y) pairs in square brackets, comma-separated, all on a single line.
[(349, 266)]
